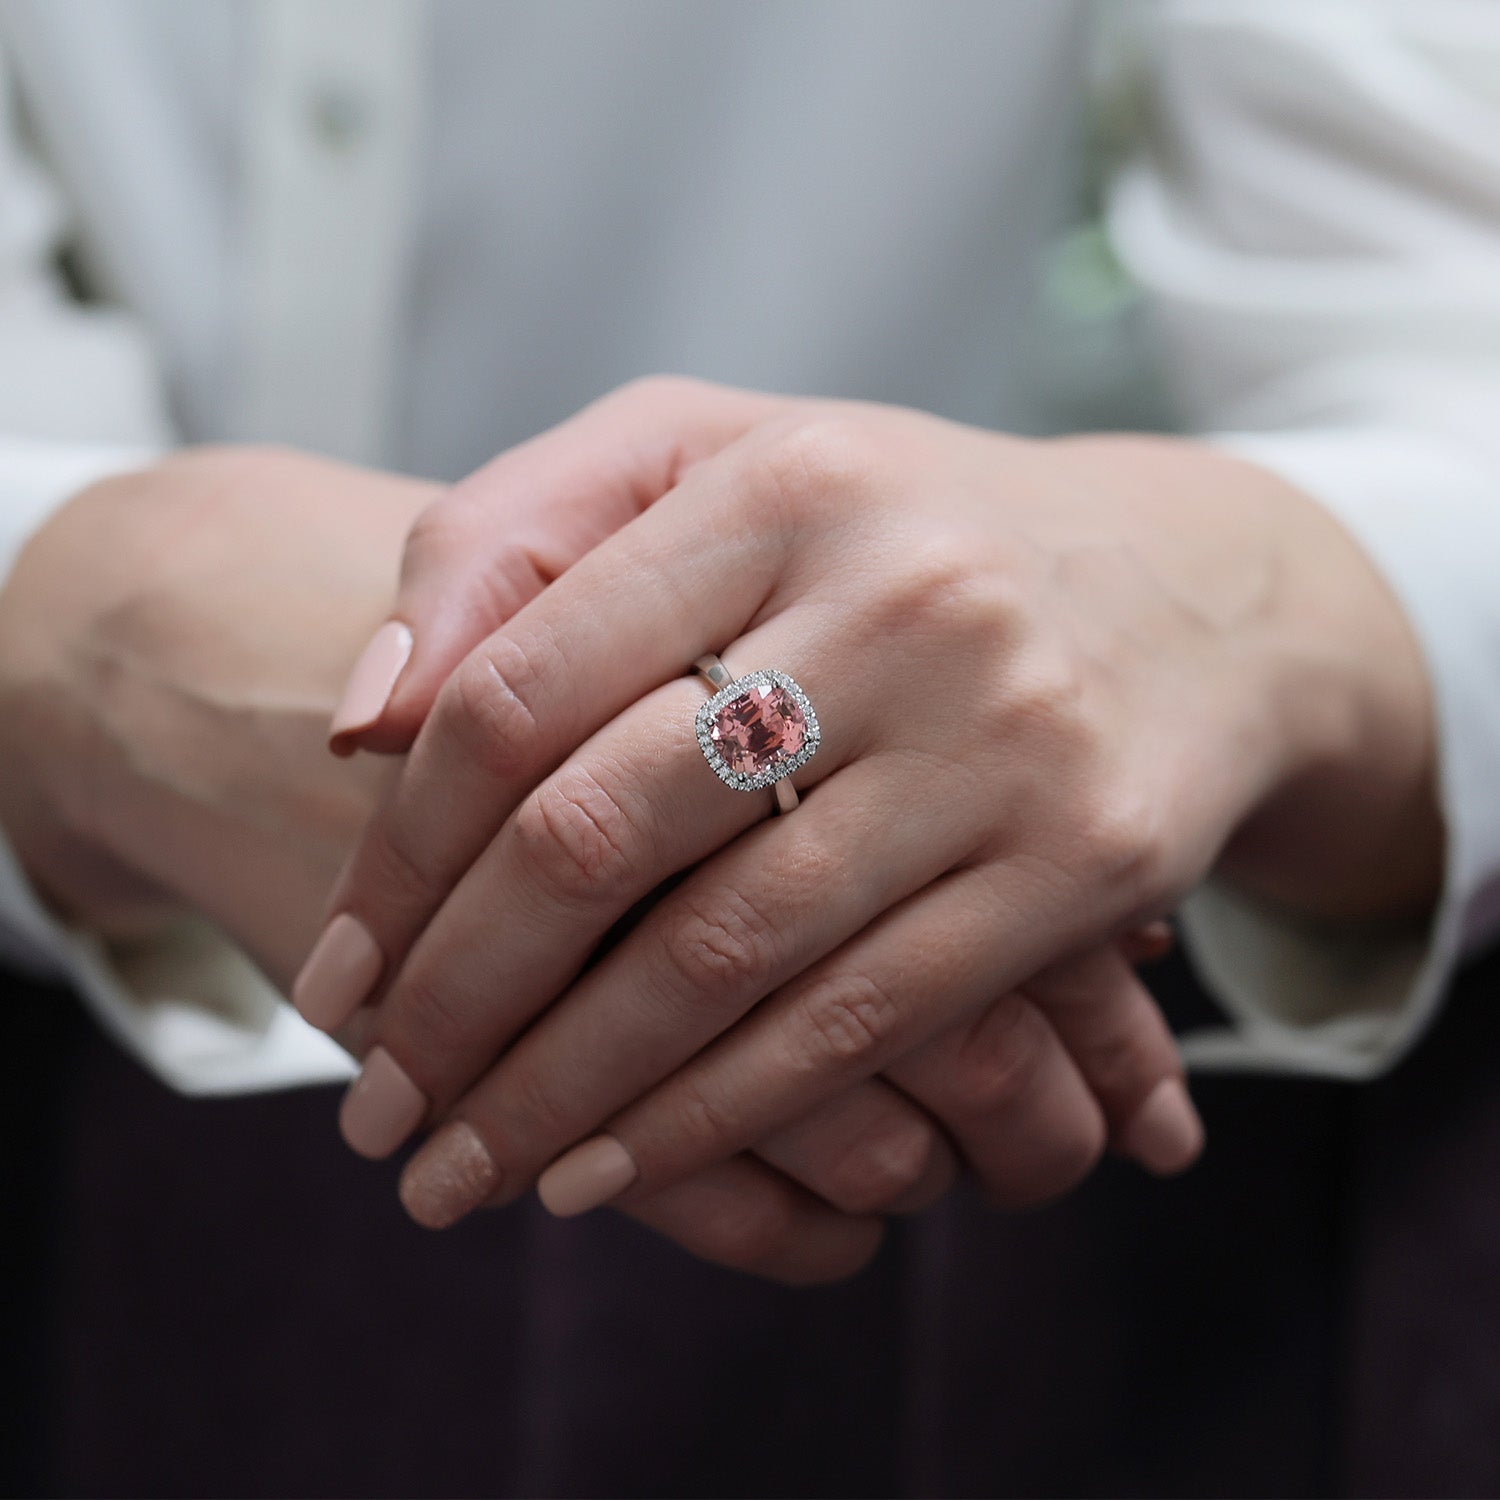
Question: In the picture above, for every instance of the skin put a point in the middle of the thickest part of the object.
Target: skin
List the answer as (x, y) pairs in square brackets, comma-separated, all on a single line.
[(1059, 682), (171, 644)]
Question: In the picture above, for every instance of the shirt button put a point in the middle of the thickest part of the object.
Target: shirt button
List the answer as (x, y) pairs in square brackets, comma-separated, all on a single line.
[(340, 115)]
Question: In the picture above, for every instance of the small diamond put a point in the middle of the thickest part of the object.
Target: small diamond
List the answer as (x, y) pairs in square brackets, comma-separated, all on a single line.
[(758, 728)]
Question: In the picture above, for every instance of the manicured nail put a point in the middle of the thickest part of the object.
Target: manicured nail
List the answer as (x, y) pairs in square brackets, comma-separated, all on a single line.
[(586, 1176), (1166, 1134), (371, 682), (449, 1177), (383, 1107), (339, 973)]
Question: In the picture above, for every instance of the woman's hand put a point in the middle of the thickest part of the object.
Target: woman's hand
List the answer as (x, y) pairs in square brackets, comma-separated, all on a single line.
[(1054, 682), (170, 644)]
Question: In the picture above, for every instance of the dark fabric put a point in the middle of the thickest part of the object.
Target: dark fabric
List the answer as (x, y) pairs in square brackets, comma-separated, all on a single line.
[(44, 1032), (237, 1307)]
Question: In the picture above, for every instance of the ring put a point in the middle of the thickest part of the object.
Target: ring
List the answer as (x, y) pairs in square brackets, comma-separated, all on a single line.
[(756, 729)]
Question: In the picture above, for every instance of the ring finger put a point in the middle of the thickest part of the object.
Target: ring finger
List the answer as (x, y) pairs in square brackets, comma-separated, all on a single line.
[(755, 915), (635, 805)]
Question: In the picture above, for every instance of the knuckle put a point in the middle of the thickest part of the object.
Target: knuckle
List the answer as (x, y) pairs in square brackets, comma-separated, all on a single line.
[(727, 943), (1070, 1162), (807, 870), (1078, 1152), (1045, 696), (426, 1019), (1116, 1064), (817, 457), (658, 390), (701, 1119), (933, 584), (576, 837), (886, 1168), (487, 706), (537, 1108), (848, 1020), (440, 526), (998, 1066), (1071, 1154), (394, 873), (1123, 841)]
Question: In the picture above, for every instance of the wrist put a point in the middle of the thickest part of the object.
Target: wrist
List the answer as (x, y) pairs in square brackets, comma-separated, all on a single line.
[(171, 646), (1319, 700), (1349, 829)]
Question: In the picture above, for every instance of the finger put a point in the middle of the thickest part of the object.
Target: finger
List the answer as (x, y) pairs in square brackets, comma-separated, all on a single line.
[(632, 615), (1014, 1102), (742, 1215), (503, 534), (762, 910), (870, 1151), (637, 804), (904, 979), (1120, 1041), (1027, 1136)]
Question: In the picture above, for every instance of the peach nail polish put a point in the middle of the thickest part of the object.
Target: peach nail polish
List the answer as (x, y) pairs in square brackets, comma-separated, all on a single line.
[(1166, 1134), (449, 1177), (373, 679), (585, 1177), (339, 973), (383, 1107)]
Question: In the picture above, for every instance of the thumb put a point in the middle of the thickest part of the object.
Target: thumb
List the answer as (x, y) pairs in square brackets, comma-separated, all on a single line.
[(498, 538)]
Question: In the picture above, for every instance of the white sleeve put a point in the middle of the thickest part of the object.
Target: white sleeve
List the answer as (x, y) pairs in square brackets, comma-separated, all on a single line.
[(1313, 210), (81, 397)]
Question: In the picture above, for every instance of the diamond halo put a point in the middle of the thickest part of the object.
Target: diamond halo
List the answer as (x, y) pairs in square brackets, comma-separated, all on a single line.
[(779, 768)]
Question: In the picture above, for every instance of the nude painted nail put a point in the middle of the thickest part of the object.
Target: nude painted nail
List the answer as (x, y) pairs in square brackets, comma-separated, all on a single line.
[(585, 1177), (339, 973), (371, 682), (449, 1177), (1166, 1134), (383, 1107)]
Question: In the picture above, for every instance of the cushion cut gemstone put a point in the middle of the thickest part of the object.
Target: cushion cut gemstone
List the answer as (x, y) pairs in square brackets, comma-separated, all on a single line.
[(758, 728)]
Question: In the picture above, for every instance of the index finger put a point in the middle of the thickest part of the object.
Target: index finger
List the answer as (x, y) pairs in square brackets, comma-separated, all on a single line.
[(687, 575), (499, 537)]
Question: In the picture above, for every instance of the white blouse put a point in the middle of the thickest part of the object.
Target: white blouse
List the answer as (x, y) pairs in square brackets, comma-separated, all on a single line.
[(414, 231)]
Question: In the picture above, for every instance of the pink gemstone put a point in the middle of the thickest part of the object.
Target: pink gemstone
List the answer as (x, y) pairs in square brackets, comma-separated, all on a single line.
[(759, 728)]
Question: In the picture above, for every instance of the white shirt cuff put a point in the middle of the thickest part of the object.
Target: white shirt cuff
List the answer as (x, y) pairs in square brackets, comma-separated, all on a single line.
[(188, 1005), (1306, 997)]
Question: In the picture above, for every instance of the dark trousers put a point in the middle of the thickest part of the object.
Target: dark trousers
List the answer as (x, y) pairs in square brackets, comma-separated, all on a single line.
[(214, 1298)]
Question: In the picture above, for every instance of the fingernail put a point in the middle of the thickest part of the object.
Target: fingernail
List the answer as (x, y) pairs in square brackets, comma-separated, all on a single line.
[(339, 973), (383, 1107), (372, 681), (1166, 1134), (586, 1176), (449, 1177)]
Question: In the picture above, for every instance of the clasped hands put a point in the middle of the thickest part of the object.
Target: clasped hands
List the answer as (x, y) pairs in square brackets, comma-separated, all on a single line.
[(1057, 681)]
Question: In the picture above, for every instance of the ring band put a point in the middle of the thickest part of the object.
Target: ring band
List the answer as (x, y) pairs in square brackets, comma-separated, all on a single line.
[(755, 730)]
